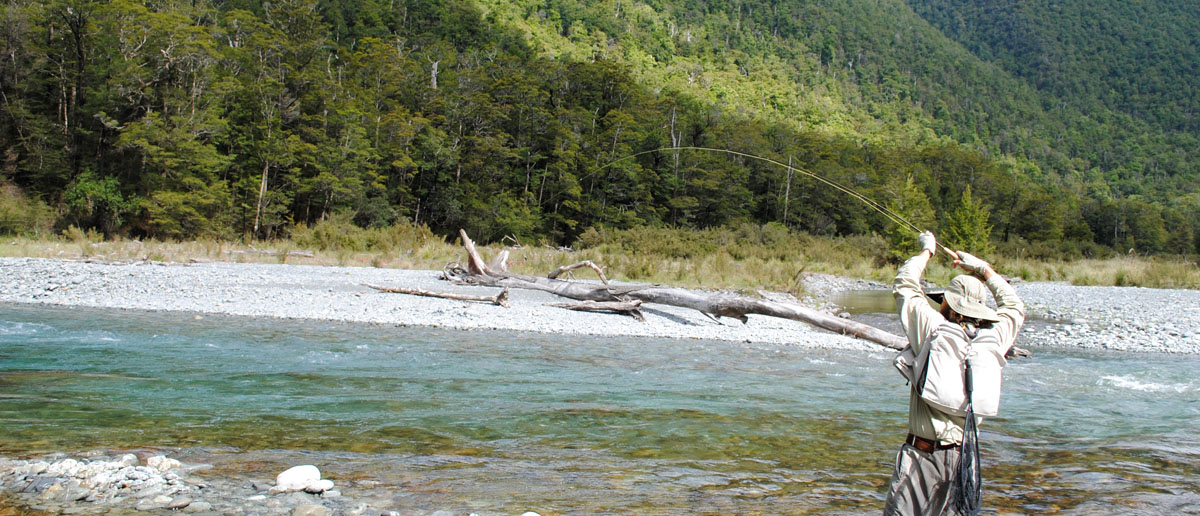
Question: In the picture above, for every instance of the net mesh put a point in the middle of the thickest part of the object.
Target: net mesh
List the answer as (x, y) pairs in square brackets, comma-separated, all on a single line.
[(969, 478)]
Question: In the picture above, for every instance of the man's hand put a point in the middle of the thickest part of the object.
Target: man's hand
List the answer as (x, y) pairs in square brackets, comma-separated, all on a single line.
[(928, 242), (973, 265)]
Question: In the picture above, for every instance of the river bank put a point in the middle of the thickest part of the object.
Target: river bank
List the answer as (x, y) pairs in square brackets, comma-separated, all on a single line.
[(395, 420), (1113, 318)]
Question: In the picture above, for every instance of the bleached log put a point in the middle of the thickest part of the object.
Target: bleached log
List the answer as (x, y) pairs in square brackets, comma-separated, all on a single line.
[(500, 262), (498, 299), (630, 308), (586, 263), (720, 305), (269, 252), (715, 304)]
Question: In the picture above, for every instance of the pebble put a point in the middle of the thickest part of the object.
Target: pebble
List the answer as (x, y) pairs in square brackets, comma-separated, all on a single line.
[(310, 510), (198, 507)]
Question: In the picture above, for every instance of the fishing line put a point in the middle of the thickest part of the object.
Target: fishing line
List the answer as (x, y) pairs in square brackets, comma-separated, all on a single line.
[(893, 216), (884, 210)]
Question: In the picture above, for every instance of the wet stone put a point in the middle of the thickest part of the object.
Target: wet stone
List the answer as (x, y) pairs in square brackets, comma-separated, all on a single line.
[(40, 484), (179, 503), (198, 507), (309, 510)]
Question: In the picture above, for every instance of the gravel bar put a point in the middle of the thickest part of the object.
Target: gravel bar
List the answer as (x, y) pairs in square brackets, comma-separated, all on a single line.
[(1114, 318)]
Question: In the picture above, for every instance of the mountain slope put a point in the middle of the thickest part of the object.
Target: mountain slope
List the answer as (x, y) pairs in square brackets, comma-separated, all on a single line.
[(1119, 116)]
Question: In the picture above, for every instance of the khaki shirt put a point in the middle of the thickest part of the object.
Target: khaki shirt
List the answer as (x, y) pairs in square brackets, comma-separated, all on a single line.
[(919, 319)]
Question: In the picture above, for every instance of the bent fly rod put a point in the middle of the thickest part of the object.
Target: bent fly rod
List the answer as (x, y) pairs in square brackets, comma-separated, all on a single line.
[(891, 215)]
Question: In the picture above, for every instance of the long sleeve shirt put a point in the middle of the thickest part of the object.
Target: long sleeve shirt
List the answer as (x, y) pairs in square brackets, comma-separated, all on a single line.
[(919, 320)]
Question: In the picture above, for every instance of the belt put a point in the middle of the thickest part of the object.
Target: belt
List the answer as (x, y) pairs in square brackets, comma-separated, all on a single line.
[(926, 445)]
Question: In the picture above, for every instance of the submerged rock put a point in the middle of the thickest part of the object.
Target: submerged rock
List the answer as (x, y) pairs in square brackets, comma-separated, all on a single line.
[(309, 510)]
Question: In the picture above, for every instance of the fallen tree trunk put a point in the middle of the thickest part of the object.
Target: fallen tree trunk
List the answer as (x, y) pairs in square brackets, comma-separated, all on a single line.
[(585, 263), (498, 299), (630, 308), (719, 305)]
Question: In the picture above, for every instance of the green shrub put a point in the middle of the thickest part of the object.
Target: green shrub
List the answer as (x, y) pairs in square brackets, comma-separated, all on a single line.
[(20, 215), (339, 233)]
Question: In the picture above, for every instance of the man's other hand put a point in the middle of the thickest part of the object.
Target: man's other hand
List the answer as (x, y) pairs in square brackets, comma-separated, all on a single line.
[(972, 264)]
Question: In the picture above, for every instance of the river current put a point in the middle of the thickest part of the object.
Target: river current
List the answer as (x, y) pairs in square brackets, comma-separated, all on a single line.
[(503, 423)]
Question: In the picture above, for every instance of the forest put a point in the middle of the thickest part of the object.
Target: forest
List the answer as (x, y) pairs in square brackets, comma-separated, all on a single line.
[(243, 119)]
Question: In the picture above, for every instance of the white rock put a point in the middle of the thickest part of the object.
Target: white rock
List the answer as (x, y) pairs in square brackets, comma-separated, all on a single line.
[(65, 467), (128, 459), (319, 486), (297, 478), (531, 513), (162, 463)]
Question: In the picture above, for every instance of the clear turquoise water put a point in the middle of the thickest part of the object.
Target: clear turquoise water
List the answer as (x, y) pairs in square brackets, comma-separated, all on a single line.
[(504, 422)]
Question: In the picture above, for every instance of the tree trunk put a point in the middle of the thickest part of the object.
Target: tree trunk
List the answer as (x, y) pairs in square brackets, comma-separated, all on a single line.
[(262, 191), (714, 304), (719, 305)]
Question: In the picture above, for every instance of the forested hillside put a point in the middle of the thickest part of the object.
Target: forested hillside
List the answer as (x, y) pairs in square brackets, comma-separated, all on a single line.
[(242, 119)]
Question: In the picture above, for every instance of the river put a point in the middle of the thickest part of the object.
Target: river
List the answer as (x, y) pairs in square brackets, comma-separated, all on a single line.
[(495, 422)]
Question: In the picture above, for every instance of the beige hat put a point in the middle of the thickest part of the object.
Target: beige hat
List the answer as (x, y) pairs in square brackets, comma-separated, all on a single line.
[(966, 295)]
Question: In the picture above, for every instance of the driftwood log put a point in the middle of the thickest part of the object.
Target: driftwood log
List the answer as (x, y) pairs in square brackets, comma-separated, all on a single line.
[(586, 263), (718, 305), (498, 299), (630, 308)]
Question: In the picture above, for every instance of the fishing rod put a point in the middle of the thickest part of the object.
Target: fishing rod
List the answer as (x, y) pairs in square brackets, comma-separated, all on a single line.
[(891, 215)]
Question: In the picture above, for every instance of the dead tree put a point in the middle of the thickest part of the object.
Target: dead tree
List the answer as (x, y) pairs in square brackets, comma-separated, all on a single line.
[(715, 304), (630, 308), (498, 299)]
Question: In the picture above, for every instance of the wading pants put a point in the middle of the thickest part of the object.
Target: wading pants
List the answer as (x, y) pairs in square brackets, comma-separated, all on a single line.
[(923, 483)]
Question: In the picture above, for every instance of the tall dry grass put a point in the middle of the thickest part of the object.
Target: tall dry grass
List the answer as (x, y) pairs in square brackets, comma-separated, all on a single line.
[(744, 257)]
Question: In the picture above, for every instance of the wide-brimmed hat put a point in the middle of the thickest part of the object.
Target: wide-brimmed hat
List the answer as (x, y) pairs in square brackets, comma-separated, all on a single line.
[(967, 295)]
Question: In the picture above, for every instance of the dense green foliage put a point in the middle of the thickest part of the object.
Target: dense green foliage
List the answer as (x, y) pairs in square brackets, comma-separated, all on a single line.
[(253, 119)]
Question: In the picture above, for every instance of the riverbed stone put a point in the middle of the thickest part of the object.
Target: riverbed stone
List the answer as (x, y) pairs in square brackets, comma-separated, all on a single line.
[(297, 478), (40, 484), (53, 492), (148, 492), (162, 463), (309, 510), (179, 502), (320, 486), (198, 506), (73, 494), (147, 505)]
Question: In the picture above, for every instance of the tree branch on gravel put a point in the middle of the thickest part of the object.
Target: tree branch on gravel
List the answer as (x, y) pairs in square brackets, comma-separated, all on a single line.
[(715, 304), (498, 299), (630, 308)]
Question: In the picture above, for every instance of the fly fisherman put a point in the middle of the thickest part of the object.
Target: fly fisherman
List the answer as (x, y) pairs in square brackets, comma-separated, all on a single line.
[(924, 481)]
